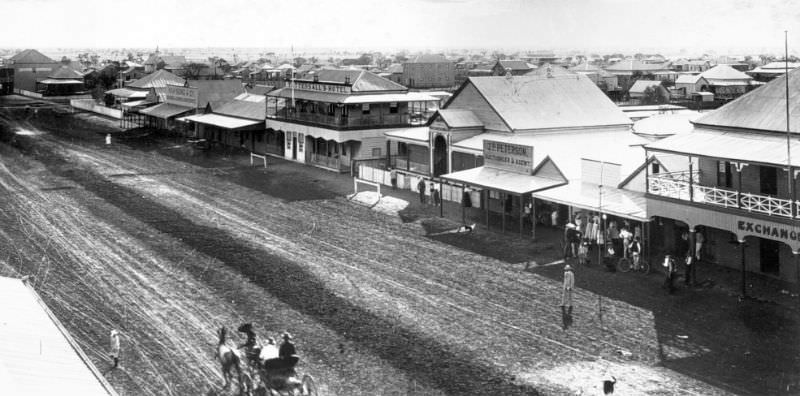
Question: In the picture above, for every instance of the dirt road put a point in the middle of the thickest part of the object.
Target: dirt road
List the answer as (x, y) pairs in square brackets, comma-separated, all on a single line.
[(168, 251)]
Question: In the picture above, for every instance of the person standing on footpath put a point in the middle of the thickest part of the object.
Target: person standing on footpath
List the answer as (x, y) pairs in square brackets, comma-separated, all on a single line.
[(115, 347), (393, 177), (683, 253), (434, 195), (421, 188), (669, 267), (566, 297)]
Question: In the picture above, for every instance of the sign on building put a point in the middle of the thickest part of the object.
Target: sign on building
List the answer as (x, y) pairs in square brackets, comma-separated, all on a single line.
[(182, 96), (507, 156)]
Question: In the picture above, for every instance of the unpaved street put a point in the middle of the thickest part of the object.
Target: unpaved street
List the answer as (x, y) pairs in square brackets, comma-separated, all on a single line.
[(168, 250)]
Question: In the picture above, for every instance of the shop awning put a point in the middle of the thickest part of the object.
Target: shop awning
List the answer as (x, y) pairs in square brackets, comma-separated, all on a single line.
[(336, 97), (51, 81), (221, 121), (127, 93), (611, 200), (500, 180), (135, 103), (412, 135), (165, 110)]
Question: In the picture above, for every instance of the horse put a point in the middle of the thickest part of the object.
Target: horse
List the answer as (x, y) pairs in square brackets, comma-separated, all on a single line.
[(229, 359)]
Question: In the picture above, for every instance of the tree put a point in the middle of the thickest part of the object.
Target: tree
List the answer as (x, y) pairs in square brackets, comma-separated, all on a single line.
[(65, 60), (192, 70), (298, 61), (655, 95)]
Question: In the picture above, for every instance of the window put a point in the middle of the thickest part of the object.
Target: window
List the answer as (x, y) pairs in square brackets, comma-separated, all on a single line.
[(376, 152), (331, 108), (393, 108), (724, 174), (345, 111), (365, 108), (655, 168)]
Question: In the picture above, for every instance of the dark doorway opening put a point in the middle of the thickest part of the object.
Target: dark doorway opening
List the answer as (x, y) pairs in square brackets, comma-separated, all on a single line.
[(770, 256), (439, 156)]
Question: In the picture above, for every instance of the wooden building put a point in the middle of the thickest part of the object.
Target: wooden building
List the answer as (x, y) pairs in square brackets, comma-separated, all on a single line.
[(429, 71), (31, 66)]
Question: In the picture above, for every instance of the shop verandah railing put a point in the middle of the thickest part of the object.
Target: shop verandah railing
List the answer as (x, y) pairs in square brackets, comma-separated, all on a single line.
[(676, 185)]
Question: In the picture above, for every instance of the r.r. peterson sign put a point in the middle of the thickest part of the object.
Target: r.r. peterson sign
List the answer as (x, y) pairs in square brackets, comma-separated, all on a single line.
[(507, 156)]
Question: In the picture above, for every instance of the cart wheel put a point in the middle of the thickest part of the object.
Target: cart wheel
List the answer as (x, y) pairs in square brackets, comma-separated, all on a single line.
[(308, 385), (624, 265)]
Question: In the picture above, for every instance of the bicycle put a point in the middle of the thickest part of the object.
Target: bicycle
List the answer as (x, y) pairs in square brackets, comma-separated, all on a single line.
[(636, 263)]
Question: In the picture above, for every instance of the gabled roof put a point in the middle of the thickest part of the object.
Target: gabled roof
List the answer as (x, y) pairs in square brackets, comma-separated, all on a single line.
[(761, 109), (514, 64), (585, 67), (159, 79), (539, 102), (457, 118), (31, 56), (688, 79), (259, 89), (724, 72), (65, 72), (216, 91), (429, 58), (243, 109), (395, 68), (640, 85), (361, 80)]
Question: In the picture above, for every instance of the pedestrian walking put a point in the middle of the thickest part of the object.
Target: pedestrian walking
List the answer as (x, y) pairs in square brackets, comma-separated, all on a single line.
[(115, 347), (421, 188), (434, 195), (393, 177), (108, 139), (566, 296), (687, 272), (669, 268), (569, 283)]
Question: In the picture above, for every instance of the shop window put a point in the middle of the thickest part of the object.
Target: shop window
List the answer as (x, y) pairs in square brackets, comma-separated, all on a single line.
[(365, 108), (724, 174), (393, 108), (331, 109), (344, 150)]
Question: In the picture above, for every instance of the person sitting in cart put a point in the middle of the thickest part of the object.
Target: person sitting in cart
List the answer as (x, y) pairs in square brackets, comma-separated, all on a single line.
[(288, 353)]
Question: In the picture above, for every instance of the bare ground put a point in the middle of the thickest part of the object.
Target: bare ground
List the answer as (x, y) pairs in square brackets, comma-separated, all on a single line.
[(168, 249)]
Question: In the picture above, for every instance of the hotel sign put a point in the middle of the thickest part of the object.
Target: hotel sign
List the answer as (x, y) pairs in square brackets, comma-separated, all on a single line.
[(182, 96), (507, 156), (771, 230), (308, 86)]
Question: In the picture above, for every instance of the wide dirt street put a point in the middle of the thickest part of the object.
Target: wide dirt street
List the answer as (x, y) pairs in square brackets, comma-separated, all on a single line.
[(168, 248)]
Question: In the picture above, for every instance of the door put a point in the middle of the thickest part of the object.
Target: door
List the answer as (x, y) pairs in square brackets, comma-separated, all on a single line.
[(294, 147), (770, 255), (439, 156), (769, 180)]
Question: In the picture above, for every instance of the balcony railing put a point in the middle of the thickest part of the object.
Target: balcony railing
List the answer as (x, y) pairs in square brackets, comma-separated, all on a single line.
[(676, 185), (340, 121)]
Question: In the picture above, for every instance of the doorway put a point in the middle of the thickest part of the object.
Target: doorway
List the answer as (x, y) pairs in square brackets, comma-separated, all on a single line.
[(439, 156), (294, 147), (769, 252), (768, 178)]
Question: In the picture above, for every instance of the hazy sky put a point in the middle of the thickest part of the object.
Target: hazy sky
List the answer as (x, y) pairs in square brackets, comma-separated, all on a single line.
[(726, 26)]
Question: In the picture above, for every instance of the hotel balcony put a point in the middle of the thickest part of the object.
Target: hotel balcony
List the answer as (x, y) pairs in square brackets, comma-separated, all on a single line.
[(354, 121), (678, 185)]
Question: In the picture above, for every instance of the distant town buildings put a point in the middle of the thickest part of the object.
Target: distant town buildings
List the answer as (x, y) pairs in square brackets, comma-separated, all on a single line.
[(429, 71)]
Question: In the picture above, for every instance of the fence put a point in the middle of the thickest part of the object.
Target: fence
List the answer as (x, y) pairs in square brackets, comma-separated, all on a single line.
[(408, 181), (91, 105)]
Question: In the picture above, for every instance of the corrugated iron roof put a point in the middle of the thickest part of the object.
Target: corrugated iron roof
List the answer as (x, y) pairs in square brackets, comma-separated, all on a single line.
[(31, 56), (216, 90), (616, 201), (632, 65), (456, 118), (539, 102), (38, 357), (688, 79), (761, 109), (666, 124), (243, 109), (514, 64), (724, 72), (65, 72), (640, 85), (737, 146), (500, 180), (221, 121), (159, 79), (166, 110)]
